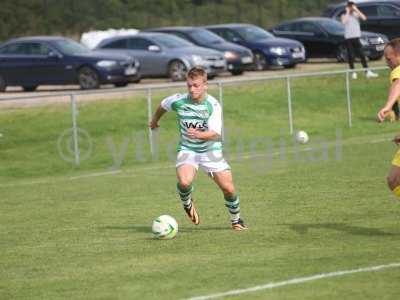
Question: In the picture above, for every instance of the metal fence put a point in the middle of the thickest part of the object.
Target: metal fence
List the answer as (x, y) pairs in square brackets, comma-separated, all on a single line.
[(220, 84)]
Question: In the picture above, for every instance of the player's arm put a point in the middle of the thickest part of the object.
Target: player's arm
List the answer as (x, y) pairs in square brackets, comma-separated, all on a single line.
[(156, 117), (394, 94), (203, 135), (165, 105)]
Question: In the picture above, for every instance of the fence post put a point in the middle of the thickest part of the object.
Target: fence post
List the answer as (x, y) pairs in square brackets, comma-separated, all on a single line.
[(149, 116), (289, 93), (221, 100), (348, 98), (75, 130)]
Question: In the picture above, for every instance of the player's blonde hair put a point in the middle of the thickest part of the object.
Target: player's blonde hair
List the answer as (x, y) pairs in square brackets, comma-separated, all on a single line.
[(197, 72), (395, 44)]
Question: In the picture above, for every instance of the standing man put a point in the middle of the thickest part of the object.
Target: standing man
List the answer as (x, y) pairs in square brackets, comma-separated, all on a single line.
[(352, 34), (199, 118), (392, 56)]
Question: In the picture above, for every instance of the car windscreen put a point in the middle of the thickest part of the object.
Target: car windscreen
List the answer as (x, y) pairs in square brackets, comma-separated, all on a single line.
[(253, 33), (70, 47), (206, 37), (170, 41), (333, 27)]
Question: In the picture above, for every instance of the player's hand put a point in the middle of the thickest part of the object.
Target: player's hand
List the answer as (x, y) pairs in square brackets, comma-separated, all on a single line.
[(382, 114), (193, 133), (154, 125), (397, 139)]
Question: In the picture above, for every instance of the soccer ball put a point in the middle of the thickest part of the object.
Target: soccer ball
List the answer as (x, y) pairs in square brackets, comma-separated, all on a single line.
[(301, 137), (165, 227)]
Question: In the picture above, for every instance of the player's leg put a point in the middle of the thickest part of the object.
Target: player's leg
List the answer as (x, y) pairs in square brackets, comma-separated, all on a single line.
[(224, 181), (186, 174)]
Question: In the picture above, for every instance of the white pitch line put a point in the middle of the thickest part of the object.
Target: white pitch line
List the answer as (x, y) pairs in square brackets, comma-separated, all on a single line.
[(95, 174), (273, 285)]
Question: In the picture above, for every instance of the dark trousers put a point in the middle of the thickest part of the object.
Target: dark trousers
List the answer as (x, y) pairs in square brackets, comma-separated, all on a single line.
[(354, 48)]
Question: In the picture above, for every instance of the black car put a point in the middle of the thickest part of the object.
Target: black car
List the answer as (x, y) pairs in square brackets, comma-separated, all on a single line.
[(268, 50), (382, 16), (33, 61), (238, 58), (324, 37)]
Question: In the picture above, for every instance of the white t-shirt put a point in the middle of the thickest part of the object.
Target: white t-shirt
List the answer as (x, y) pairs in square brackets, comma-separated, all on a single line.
[(352, 26)]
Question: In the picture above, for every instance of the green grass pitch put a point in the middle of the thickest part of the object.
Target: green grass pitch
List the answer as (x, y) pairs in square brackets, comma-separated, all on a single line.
[(69, 232)]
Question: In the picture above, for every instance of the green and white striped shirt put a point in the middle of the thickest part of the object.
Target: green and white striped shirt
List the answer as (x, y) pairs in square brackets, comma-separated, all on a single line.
[(205, 115)]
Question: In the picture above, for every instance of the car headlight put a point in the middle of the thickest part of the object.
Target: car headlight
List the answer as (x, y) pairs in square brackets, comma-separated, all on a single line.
[(277, 50), (380, 40), (106, 63), (198, 60), (230, 55), (364, 42)]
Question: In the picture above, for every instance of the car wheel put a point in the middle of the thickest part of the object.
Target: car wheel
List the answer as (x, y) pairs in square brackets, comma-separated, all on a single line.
[(260, 61), (29, 88), (341, 53), (88, 78), (177, 71), (120, 84), (237, 72), (2, 84)]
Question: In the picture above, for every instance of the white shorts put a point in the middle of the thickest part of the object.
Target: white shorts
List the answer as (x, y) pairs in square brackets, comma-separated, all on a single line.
[(210, 162)]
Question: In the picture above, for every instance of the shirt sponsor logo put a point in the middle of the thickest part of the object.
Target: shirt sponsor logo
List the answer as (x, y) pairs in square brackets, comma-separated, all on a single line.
[(195, 125)]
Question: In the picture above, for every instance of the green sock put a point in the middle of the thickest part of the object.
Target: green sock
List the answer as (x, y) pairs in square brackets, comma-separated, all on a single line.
[(185, 195), (233, 205)]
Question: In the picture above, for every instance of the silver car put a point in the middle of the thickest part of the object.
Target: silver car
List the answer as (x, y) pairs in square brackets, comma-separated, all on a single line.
[(162, 54)]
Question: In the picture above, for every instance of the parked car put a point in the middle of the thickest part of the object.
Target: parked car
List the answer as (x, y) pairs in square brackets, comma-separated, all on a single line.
[(324, 37), (238, 57), (382, 16), (33, 61), (163, 54), (268, 50)]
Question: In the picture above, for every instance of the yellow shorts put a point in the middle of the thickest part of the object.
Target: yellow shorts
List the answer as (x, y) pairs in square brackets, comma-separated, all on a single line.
[(396, 159)]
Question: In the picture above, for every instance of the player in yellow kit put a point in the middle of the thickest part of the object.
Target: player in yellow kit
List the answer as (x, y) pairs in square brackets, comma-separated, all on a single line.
[(392, 56)]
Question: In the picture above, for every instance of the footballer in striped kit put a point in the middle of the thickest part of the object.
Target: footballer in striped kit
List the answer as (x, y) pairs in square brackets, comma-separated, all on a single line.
[(199, 120)]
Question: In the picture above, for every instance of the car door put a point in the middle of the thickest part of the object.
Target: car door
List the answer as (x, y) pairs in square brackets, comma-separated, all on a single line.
[(314, 39), (47, 64), (15, 64), (151, 56)]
